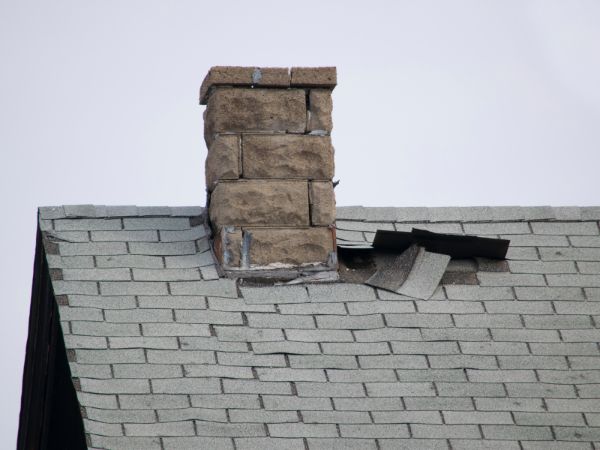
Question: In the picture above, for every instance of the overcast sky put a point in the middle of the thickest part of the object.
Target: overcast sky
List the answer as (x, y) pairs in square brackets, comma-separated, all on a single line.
[(438, 103)]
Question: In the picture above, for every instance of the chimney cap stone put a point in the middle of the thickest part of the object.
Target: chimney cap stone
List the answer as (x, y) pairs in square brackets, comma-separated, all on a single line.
[(276, 77)]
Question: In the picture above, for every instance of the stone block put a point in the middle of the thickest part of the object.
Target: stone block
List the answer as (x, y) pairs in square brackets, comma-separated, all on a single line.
[(322, 203), (287, 156), (271, 76), (294, 247), (244, 110), (223, 160), (314, 77), (225, 75), (321, 106), (228, 246), (263, 203)]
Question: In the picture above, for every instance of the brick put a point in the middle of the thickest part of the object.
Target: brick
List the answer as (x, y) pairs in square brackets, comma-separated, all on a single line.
[(540, 390), (289, 246), (180, 357), (248, 359), (321, 107), (314, 76), (115, 386), (186, 386), (374, 431), (309, 389), (287, 156), (322, 203), (215, 288), (214, 443), (228, 76), (255, 387), (269, 443), (470, 389), (247, 110), (445, 431), (275, 294), (223, 160), (477, 417), (285, 402), (512, 432)]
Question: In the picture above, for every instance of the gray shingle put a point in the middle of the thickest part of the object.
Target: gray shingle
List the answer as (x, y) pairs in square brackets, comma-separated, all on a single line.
[(576, 228), (87, 224), (162, 248), (166, 274), (214, 443), (160, 429), (445, 431), (374, 431), (512, 432), (153, 401), (340, 292), (275, 294), (180, 357), (156, 223), (341, 444), (191, 234), (269, 443), (214, 288), (256, 387), (208, 414), (302, 430), (208, 316), (186, 386), (115, 386)]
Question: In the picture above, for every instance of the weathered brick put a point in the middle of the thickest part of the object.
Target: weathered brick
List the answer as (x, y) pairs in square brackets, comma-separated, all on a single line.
[(314, 77), (287, 156), (322, 203), (247, 110), (320, 109), (223, 160)]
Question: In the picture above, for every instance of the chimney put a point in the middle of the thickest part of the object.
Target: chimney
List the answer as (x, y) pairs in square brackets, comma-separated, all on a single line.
[(269, 169)]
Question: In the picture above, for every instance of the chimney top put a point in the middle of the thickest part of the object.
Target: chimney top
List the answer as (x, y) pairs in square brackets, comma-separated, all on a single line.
[(274, 77)]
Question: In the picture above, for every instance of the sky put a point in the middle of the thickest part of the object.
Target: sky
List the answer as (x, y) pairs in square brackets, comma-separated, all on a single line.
[(438, 103)]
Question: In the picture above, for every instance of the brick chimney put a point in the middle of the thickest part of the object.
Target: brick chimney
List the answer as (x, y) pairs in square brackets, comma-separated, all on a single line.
[(269, 168)]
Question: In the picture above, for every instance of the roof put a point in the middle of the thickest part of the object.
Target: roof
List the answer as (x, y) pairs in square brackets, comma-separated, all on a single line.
[(165, 354)]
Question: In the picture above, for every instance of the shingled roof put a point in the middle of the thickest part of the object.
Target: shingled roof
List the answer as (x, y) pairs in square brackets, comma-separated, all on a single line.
[(164, 354)]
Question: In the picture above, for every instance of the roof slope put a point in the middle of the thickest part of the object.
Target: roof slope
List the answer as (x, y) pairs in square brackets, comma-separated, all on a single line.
[(166, 355)]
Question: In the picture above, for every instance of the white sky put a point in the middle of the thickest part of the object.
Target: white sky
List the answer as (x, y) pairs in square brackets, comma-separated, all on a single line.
[(439, 103)]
